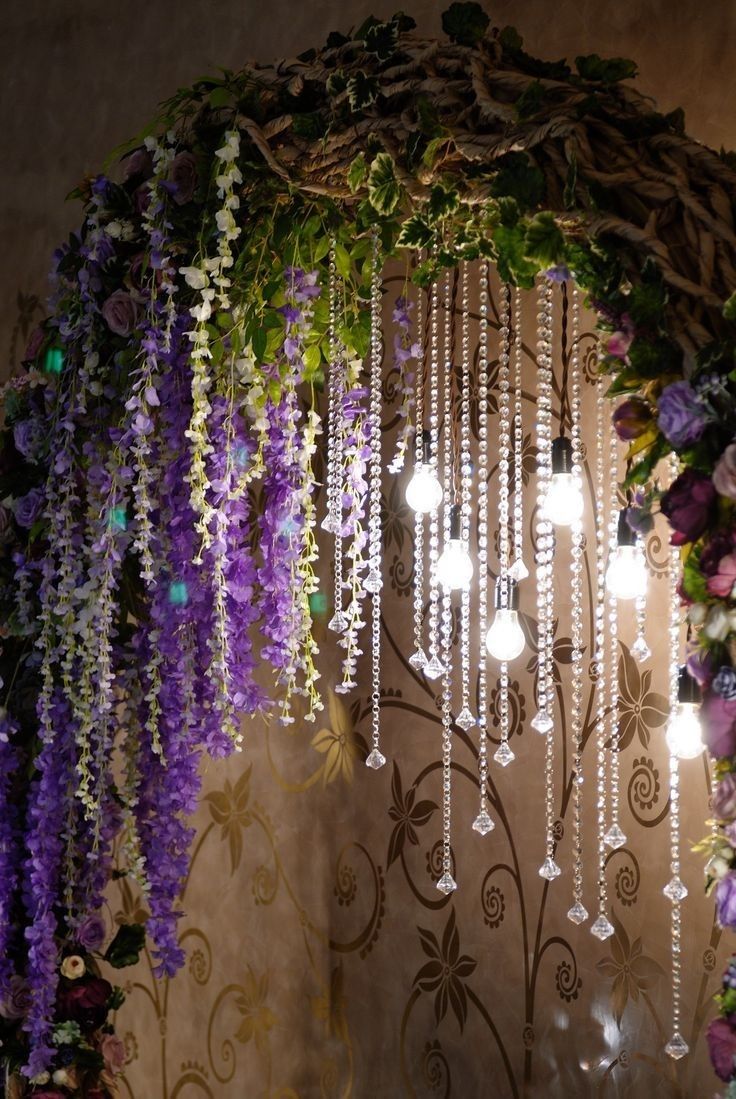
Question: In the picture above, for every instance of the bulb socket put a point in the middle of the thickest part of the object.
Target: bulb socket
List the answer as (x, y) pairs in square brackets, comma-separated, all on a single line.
[(426, 446), (625, 536), (506, 594), (561, 455), (455, 522), (688, 689)]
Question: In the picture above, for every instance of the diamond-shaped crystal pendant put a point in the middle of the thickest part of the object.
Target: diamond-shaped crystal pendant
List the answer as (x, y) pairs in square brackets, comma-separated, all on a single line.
[(640, 650), (614, 837), (602, 928), (373, 582), (549, 869), (434, 668), (578, 913), (675, 889), (503, 754), (330, 523), (483, 823), (677, 1047), (418, 660), (447, 883), (518, 570), (338, 622), (375, 760), (542, 723), (465, 719)]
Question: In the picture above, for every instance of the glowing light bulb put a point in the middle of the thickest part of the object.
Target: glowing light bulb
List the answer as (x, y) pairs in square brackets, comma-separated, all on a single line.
[(455, 566), (505, 639), (563, 505), (424, 492), (684, 734), (626, 576)]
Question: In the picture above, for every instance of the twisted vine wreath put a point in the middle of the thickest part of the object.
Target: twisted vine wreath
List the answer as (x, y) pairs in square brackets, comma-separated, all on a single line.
[(157, 456)]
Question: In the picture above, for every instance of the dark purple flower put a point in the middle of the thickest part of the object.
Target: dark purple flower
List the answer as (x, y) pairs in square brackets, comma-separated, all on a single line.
[(16, 1000), (726, 900), (121, 312), (721, 1038), (631, 419), (724, 682), (700, 666), (29, 508), (558, 273), (29, 437), (183, 175), (724, 797), (718, 715), (35, 343), (138, 163), (680, 415), (724, 474), (689, 504), (718, 546), (85, 1002), (91, 932)]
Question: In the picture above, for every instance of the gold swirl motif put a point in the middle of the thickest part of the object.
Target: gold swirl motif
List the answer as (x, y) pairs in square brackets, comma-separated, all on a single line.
[(402, 575), (527, 1036), (329, 1075), (435, 1069), (558, 830), (643, 791), (265, 885), (654, 545), (627, 881), (200, 961), (346, 886), (567, 981), (494, 906), (709, 959)]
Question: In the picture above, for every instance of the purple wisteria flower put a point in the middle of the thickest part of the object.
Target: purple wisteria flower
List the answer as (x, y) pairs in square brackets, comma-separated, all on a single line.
[(680, 414)]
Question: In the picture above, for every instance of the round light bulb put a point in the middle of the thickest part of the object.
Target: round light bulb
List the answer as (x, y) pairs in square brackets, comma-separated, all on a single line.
[(505, 639), (626, 576), (424, 492), (454, 567), (684, 733), (564, 503)]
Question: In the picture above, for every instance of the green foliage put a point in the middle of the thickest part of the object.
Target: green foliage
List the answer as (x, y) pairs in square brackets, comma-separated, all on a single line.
[(336, 82), (605, 70), (530, 101), (381, 40), (443, 201), (655, 358), (357, 173), (384, 190), (544, 240), (126, 946), (729, 308), (518, 177), (509, 245), (642, 471), (465, 23), (693, 582), (415, 233), (510, 39), (362, 90), (311, 125)]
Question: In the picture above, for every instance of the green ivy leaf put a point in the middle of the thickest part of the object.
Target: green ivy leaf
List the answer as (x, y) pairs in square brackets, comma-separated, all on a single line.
[(403, 22), (443, 201), (510, 39), (729, 308), (343, 262), (641, 473), (693, 582), (312, 360), (381, 40), (336, 82), (511, 260), (465, 23), (517, 177), (415, 233), (530, 100), (362, 90), (126, 946), (357, 172), (544, 240), (384, 190), (605, 70), (430, 153)]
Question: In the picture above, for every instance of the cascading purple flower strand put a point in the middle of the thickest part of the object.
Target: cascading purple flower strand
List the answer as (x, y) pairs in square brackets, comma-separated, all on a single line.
[(406, 349)]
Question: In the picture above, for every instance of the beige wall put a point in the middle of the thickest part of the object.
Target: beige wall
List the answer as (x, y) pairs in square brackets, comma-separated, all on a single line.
[(303, 944)]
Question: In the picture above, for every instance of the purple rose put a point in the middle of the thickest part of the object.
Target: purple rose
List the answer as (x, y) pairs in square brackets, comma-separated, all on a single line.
[(91, 933), (718, 716), (724, 682), (17, 999), (29, 508), (34, 345), (724, 798), (724, 475), (29, 436), (121, 312), (681, 416), (726, 900), (722, 1047), (700, 666), (689, 505), (183, 175), (138, 163), (715, 548), (631, 419)]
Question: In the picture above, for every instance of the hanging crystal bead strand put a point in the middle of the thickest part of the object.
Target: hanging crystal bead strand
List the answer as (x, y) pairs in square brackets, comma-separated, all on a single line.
[(433, 668), (418, 659), (640, 649), (465, 718), (332, 522), (503, 754), (614, 837), (577, 912), (602, 927), (543, 722), (518, 570), (675, 890), (483, 823), (447, 883), (373, 582)]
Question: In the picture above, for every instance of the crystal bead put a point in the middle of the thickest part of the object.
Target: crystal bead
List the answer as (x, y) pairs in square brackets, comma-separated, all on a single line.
[(675, 889), (447, 883), (602, 928), (434, 668), (518, 570), (483, 823), (330, 524), (418, 660), (338, 622), (614, 837), (549, 869), (677, 1047), (465, 719), (373, 582), (640, 650), (503, 754), (375, 760), (542, 723), (578, 913)]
